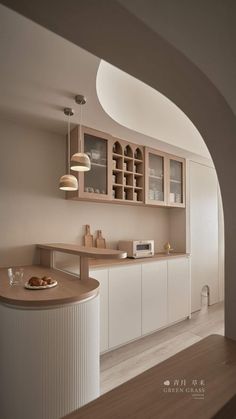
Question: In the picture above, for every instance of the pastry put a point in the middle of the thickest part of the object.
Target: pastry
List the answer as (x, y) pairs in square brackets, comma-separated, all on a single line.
[(34, 281)]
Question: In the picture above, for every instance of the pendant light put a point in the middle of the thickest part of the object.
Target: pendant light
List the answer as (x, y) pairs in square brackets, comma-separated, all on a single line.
[(80, 162), (68, 182)]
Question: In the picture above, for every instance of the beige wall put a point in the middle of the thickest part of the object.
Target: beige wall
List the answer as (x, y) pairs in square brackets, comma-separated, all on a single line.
[(32, 209)]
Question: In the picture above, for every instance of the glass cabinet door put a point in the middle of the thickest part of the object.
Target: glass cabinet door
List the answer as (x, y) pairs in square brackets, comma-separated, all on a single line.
[(95, 182), (155, 184), (176, 182)]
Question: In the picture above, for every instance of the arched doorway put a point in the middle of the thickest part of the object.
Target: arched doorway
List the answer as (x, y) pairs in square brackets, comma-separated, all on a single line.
[(143, 53)]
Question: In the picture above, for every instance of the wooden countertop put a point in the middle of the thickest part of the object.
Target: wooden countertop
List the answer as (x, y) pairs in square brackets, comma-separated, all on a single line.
[(213, 360), (90, 252), (96, 263), (70, 289)]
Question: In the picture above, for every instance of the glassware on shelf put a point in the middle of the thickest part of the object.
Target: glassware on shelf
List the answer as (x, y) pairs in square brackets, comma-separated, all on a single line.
[(151, 194), (96, 179), (95, 155), (156, 177), (176, 182), (172, 197), (178, 198)]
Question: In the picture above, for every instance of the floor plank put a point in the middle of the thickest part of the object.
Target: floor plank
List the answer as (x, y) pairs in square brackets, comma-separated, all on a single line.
[(198, 382), (124, 363)]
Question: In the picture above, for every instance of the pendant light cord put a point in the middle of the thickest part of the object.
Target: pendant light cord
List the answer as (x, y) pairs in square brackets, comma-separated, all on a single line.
[(80, 130), (68, 145)]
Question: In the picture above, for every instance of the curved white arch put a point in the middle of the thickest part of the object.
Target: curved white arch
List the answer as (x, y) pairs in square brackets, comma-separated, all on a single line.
[(141, 108)]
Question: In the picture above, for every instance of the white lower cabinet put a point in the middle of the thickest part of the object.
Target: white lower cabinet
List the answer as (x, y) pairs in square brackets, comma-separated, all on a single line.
[(124, 304), (178, 289), (138, 299), (102, 276), (154, 296)]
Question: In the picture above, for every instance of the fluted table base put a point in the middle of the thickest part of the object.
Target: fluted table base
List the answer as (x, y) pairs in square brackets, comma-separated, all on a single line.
[(49, 359)]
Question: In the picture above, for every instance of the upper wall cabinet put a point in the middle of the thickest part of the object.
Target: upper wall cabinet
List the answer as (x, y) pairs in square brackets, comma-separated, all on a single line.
[(155, 177), (124, 172), (96, 183), (176, 182), (127, 172), (164, 179)]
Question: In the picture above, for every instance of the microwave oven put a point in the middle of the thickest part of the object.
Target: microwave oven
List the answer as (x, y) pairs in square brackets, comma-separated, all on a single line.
[(137, 248)]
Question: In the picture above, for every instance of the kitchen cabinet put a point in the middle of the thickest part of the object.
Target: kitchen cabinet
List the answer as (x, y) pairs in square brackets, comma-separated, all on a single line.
[(141, 297), (155, 177), (175, 181), (102, 276), (124, 172), (127, 172), (124, 304), (178, 289), (96, 183), (164, 179), (154, 296)]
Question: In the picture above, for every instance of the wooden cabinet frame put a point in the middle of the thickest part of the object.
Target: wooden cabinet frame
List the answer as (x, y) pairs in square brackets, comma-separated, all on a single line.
[(81, 175), (134, 179), (149, 201), (183, 180), (138, 182)]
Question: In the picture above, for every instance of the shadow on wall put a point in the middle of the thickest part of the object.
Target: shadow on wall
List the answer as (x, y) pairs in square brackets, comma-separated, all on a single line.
[(20, 253), (39, 161)]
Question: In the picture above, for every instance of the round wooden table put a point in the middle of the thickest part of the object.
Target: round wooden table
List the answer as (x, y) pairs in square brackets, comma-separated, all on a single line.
[(49, 352)]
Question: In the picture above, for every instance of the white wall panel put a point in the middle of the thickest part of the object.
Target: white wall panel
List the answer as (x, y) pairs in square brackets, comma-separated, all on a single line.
[(203, 232)]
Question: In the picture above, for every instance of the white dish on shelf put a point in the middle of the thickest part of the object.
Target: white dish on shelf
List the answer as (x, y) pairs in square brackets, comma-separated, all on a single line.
[(40, 287)]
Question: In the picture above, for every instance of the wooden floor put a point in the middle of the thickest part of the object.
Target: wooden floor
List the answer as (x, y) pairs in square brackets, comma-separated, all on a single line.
[(199, 382), (124, 363)]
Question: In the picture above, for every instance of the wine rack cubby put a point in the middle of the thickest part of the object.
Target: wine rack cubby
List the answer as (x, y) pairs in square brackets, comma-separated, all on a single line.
[(127, 172)]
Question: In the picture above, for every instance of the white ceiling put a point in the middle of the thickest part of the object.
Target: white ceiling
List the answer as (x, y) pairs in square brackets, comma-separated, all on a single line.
[(139, 107), (40, 73)]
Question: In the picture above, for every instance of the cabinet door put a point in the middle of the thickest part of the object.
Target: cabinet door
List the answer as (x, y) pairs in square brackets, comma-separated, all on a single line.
[(102, 276), (124, 304), (154, 296), (178, 289), (155, 177), (176, 182), (96, 183)]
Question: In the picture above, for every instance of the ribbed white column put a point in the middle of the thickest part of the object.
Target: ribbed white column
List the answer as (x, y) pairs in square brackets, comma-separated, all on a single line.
[(49, 360)]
